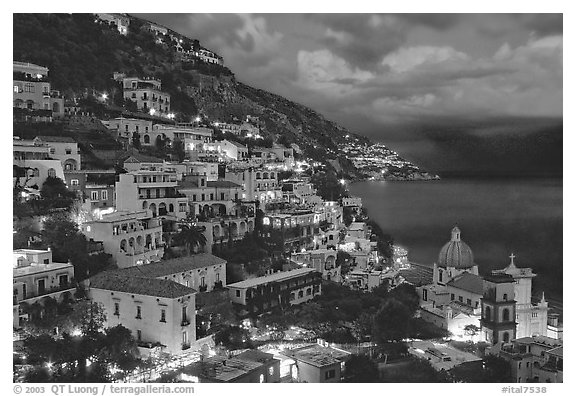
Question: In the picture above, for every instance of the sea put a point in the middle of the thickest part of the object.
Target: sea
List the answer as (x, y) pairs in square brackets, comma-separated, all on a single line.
[(497, 216)]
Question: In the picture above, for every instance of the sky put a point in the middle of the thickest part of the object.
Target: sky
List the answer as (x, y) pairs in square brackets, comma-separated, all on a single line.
[(371, 72)]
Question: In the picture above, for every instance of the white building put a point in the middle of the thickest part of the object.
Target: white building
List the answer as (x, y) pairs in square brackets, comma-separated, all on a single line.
[(280, 289), (257, 184), (158, 312), (37, 279), (63, 148), (132, 238), (126, 127), (121, 21), (147, 94), (233, 150), (156, 191), (322, 260)]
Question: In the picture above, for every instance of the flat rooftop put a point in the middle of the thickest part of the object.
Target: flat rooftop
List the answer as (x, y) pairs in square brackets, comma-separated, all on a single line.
[(36, 268), (276, 277), (222, 369), (317, 355)]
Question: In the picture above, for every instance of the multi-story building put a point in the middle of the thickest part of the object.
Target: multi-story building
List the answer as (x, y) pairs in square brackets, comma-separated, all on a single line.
[(121, 21), (257, 184), (37, 280), (63, 148), (532, 359), (132, 238), (37, 171), (193, 137), (158, 312), (126, 127), (297, 191), (280, 289), (147, 94), (210, 198), (210, 57), (202, 272), (291, 230), (32, 95), (95, 187), (156, 191), (221, 231), (98, 196), (29, 150), (317, 363), (251, 366), (277, 153), (233, 150), (322, 260)]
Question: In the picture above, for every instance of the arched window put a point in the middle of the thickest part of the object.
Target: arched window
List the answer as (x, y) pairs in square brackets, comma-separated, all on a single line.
[(51, 172), (505, 297), (171, 208), (258, 175), (506, 337), (440, 275), (146, 139), (506, 315), (488, 313)]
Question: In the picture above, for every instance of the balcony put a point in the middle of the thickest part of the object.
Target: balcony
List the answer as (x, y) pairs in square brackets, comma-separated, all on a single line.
[(185, 322), (48, 292), (185, 345)]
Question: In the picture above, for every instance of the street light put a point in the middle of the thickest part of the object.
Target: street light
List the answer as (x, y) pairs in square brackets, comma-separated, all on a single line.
[(343, 181)]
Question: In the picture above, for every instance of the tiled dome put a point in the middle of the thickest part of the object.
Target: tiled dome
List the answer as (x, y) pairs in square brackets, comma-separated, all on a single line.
[(456, 254)]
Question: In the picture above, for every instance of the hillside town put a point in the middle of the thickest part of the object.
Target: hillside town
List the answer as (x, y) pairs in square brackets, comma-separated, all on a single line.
[(151, 248)]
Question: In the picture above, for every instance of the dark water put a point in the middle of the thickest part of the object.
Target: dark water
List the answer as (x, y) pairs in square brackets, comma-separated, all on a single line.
[(496, 217)]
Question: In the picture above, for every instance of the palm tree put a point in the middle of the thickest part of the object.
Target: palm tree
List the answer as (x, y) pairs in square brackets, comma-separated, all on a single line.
[(190, 235)]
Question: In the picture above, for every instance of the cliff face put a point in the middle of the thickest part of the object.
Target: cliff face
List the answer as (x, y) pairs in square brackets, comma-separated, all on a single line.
[(82, 55)]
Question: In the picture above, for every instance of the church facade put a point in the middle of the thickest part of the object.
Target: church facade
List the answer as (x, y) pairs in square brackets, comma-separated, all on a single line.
[(458, 297)]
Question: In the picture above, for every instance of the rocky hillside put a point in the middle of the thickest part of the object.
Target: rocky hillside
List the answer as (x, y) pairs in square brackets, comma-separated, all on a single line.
[(82, 54)]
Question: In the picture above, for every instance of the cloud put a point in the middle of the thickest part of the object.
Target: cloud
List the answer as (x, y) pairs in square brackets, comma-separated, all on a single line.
[(439, 80)]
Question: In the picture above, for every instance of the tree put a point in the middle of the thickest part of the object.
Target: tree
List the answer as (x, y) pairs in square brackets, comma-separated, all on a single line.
[(89, 317), (190, 236), (362, 326), (179, 150), (392, 321), (55, 193), (343, 260), (136, 140), (360, 368), (120, 348), (406, 294), (233, 337)]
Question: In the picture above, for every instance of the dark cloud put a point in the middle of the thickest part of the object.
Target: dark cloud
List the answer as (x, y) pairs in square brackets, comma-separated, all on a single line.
[(543, 24), (434, 21), (361, 39)]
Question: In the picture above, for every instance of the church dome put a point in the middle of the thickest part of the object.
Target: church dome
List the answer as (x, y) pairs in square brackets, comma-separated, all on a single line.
[(456, 253)]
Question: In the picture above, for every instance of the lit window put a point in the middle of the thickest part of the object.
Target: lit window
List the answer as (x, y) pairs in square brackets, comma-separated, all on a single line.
[(270, 370), (261, 378), (74, 182)]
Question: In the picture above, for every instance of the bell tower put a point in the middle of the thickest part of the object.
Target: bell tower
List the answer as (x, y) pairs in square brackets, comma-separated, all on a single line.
[(498, 309)]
